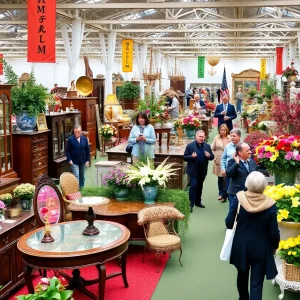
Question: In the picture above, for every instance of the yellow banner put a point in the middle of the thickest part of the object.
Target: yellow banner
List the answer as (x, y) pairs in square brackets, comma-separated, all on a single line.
[(263, 68), (127, 55)]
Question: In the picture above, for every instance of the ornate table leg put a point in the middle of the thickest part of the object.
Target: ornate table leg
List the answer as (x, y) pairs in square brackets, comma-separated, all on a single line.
[(159, 139), (123, 267), (28, 279), (102, 278), (168, 140), (282, 293)]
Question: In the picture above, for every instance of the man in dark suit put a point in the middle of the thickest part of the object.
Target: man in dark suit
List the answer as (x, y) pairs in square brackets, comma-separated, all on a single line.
[(238, 168), (225, 112), (78, 154), (197, 154)]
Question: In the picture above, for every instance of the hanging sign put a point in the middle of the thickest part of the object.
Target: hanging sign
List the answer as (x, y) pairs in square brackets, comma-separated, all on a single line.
[(201, 64), (263, 68), (1, 64), (41, 25), (279, 51), (127, 55)]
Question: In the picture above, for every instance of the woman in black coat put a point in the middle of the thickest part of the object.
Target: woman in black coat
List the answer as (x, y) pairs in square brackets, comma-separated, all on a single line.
[(256, 237)]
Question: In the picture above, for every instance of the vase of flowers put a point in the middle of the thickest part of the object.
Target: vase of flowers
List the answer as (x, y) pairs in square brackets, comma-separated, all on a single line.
[(255, 138), (288, 206), (290, 72), (117, 179), (153, 107), (289, 251), (280, 155), (149, 178), (2, 211), (190, 124), (107, 131), (25, 193), (6, 198)]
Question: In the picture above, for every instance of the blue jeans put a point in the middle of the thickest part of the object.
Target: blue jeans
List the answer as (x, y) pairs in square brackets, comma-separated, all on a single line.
[(239, 105), (232, 199), (78, 171), (222, 187)]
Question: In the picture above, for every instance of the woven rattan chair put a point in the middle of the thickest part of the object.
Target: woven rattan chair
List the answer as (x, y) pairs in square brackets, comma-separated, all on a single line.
[(158, 223), (69, 185)]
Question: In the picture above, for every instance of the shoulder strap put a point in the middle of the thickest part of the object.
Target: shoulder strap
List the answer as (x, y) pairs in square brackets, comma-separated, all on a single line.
[(235, 222)]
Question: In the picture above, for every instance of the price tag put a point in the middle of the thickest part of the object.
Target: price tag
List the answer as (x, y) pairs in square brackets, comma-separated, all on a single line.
[(129, 160)]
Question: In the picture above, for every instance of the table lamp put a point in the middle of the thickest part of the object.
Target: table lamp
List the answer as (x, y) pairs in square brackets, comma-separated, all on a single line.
[(113, 111)]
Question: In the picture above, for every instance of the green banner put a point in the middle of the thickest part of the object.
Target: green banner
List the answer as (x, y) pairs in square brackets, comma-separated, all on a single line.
[(201, 64)]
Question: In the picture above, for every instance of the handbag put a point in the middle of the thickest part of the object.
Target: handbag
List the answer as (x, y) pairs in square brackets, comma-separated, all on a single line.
[(129, 148), (227, 245)]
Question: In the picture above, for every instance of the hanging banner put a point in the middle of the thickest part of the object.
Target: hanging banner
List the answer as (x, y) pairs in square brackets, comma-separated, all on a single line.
[(41, 25), (263, 68), (201, 65), (1, 64), (279, 51), (127, 55)]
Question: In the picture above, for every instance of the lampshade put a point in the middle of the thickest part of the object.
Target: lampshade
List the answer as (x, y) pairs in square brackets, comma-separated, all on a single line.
[(111, 99)]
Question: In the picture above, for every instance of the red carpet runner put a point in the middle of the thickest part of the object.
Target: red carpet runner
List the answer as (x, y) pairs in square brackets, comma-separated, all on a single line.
[(142, 277)]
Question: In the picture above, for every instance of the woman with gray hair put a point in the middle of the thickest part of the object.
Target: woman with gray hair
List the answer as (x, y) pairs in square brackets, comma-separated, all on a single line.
[(256, 237)]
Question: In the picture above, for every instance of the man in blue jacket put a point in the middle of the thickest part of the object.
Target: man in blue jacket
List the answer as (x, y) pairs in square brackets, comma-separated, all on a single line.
[(78, 154), (197, 154)]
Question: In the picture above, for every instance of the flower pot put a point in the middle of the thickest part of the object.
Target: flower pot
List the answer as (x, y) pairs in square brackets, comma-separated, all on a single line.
[(121, 193), (149, 194), (107, 138), (190, 133), (25, 122), (290, 272), (152, 121), (288, 229), (26, 204), (287, 177), (292, 78)]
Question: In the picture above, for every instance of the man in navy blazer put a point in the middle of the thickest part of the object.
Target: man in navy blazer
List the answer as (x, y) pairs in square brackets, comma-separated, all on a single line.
[(197, 154), (238, 168), (78, 154), (225, 112)]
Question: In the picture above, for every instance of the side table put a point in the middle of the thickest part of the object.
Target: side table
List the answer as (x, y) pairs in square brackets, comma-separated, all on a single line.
[(162, 130)]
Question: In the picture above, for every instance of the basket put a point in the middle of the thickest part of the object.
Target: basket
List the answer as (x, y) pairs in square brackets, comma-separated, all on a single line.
[(14, 212), (290, 272), (264, 117)]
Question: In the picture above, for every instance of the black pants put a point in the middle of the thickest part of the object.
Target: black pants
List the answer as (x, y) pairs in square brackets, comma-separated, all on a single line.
[(222, 187), (195, 191)]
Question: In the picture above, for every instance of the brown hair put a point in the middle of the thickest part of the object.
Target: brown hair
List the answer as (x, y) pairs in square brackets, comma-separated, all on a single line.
[(226, 128), (144, 116)]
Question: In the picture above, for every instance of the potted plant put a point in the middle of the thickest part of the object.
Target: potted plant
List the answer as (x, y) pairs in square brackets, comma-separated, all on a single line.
[(269, 89), (190, 124), (2, 211), (290, 72), (128, 93), (25, 193), (252, 93), (148, 177), (49, 289), (117, 179), (107, 131), (6, 198)]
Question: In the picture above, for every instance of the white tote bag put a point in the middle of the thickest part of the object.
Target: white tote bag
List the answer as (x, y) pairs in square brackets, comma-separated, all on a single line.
[(227, 245)]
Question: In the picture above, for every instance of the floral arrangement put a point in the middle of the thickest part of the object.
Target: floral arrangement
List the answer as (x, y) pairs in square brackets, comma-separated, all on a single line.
[(209, 105), (24, 191), (163, 115), (190, 122), (49, 289), (255, 123), (116, 178), (287, 201), (253, 139), (261, 125), (280, 153), (289, 250), (6, 198), (151, 106), (2, 207), (146, 174), (107, 131), (177, 122), (252, 92), (290, 71)]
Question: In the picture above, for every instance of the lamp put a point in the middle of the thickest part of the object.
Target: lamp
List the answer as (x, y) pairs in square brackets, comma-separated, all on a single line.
[(111, 99), (113, 111)]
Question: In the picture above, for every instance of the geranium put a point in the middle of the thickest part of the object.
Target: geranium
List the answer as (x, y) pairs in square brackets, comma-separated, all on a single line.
[(253, 139), (2, 207), (24, 191), (190, 122), (6, 198), (116, 178), (107, 131), (146, 174), (279, 153), (289, 250), (290, 71), (287, 201)]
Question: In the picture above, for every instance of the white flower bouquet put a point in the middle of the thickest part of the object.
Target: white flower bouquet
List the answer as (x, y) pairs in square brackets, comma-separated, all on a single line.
[(107, 131), (24, 191)]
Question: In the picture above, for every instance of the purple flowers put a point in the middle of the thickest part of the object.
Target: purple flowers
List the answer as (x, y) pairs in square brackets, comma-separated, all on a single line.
[(116, 178), (288, 155), (2, 205)]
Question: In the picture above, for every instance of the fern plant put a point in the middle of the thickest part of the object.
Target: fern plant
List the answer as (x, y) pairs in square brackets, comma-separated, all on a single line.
[(9, 74)]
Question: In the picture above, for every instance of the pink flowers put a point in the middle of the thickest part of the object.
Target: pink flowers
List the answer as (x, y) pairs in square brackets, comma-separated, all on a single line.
[(289, 155), (2, 205)]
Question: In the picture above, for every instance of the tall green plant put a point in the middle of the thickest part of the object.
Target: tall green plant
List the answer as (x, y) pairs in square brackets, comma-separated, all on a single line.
[(128, 91), (269, 88), (9, 74)]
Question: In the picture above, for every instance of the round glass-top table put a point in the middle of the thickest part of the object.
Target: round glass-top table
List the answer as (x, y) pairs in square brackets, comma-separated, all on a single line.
[(72, 250)]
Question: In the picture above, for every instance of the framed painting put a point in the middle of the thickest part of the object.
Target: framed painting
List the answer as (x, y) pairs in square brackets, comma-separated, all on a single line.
[(41, 122)]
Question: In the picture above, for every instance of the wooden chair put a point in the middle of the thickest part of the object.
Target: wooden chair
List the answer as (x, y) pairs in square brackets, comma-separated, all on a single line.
[(158, 223)]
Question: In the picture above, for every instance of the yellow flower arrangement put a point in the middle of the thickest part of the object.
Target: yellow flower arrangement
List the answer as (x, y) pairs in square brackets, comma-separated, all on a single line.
[(107, 131), (6, 198), (287, 201), (24, 191), (289, 250)]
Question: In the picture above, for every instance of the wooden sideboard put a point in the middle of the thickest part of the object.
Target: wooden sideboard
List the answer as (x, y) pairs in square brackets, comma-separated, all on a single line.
[(7, 185), (11, 263), (30, 151)]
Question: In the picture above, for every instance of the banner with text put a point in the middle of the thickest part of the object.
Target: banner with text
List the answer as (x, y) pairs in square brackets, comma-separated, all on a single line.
[(1, 64), (263, 68), (201, 65), (127, 55), (279, 51), (41, 30)]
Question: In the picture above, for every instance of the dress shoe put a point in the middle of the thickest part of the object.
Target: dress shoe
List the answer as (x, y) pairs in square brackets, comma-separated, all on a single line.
[(220, 198), (223, 200), (201, 205), (191, 210)]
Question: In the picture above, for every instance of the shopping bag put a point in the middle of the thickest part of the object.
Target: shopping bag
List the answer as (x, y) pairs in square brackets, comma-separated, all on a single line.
[(227, 245)]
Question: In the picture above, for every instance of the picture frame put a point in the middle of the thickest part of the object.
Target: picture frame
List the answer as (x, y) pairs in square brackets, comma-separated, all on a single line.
[(41, 122)]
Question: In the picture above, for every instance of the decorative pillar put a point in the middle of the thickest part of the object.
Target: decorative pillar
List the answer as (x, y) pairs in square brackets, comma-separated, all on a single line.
[(141, 56), (157, 64)]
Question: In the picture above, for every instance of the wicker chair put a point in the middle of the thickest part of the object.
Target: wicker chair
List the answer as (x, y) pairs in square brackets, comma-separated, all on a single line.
[(158, 223), (69, 185)]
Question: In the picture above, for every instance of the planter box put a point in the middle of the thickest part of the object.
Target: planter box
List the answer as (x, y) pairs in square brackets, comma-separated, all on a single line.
[(290, 272), (129, 103)]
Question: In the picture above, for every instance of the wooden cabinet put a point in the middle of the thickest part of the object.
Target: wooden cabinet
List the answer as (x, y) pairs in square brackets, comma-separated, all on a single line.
[(99, 92), (11, 263), (86, 105), (30, 154)]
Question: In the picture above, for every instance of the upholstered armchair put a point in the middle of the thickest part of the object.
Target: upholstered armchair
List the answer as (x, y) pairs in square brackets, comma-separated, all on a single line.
[(158, 223)]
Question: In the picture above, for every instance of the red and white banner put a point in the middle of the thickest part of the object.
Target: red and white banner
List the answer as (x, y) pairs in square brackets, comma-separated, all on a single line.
[(1, 64), (279, 52), (41, 22)]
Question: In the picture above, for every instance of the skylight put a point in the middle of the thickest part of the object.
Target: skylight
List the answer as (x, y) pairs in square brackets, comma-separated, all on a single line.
[(140, 14)]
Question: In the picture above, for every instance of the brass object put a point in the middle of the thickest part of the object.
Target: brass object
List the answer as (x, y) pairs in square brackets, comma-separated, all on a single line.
[(213, 60), (180, 135), (149, 76), (176, 75), (84, 86), (47, 232), (14, 212)]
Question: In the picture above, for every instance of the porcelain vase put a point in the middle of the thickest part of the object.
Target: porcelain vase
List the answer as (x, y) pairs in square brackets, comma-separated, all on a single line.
[(2, 218), (25, 122), (190, 133), (287, 177), (149, 194), (26, 204), (288, 229), (121, 193)]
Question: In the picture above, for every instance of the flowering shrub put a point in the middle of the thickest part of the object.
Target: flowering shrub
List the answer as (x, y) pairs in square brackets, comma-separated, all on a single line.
[(253, 139), (280, 153), (116, 178), (107, 131), (289, 71), (6, 198), (289, 250), (2, 207), (49, 289), (190, 122), (287, 201), (24, 191)]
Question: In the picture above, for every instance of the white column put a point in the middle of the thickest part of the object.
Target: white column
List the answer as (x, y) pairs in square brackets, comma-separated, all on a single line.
[(285, 61), (157, 64), (298, 35), (292, 50), (141, 57)]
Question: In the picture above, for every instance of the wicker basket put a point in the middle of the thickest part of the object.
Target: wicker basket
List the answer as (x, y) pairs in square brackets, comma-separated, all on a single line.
[(290, 272)]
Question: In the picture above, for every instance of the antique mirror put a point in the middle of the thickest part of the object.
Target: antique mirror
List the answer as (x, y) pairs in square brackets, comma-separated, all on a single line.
[(47, 201)]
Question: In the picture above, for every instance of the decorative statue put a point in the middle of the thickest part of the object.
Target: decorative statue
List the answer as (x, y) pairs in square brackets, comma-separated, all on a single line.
[(180, 135), (72, 88), (47, 232), (88, 70)]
